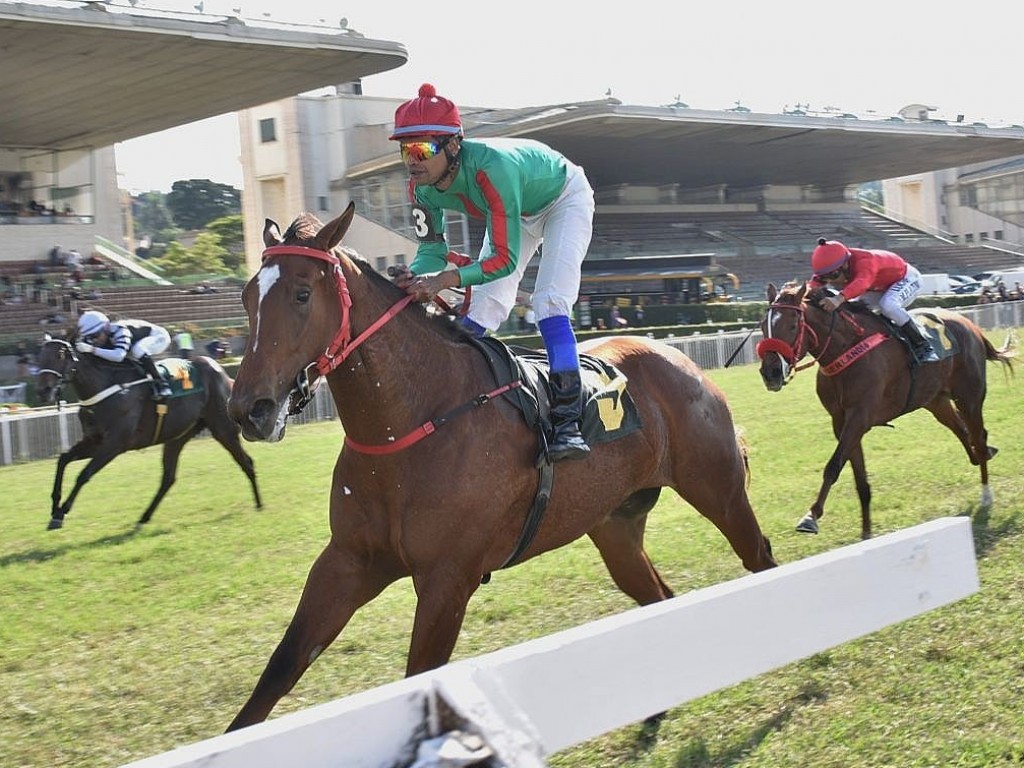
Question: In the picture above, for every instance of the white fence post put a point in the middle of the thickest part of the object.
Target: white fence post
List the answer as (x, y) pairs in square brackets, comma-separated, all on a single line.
[(537, 698)]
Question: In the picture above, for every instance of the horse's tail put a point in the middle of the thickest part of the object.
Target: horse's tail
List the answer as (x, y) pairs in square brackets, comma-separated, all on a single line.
[(741, 443), (1003, 354)]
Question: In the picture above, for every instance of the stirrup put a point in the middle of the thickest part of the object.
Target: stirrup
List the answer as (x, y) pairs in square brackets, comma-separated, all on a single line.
[(571, 447)]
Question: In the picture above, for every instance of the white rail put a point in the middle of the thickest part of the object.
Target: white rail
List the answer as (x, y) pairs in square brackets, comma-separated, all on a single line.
[(528, 701)]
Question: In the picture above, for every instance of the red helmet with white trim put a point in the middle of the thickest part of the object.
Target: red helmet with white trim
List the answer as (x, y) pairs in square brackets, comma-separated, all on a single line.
[(427, 115), (829, 256)]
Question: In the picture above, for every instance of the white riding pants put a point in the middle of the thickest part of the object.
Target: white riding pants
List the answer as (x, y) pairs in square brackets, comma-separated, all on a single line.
[(156, 342), (565, 228), (893, 302)]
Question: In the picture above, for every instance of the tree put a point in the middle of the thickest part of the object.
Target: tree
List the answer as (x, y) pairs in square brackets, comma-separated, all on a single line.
[(206, 256), (151, 213), (197, 202), (232, 238)]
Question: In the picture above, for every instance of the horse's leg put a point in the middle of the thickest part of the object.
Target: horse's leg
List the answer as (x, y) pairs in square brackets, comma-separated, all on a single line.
[(339, 583), (620, 540), (718, 490), (101, 456), (442, 595), (849, 433), (83, 449), (860, 480), (172, 452), (965, 421), (226, 432)]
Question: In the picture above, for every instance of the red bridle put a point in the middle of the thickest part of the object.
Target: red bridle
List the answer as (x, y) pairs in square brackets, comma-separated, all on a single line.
[(342, 345), (792, 354)]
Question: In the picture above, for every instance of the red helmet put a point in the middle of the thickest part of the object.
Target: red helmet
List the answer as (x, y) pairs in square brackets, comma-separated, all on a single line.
[(427, 115), (829, 256)]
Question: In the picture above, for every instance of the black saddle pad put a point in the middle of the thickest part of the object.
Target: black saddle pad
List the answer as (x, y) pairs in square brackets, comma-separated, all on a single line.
[(609, 411)]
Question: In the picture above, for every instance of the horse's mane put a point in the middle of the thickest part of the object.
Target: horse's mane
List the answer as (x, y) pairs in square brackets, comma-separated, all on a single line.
[(305, 227)]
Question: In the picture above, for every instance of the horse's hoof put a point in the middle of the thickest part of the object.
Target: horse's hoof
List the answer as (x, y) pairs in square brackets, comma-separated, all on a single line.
[(807, 524), (55, 523)]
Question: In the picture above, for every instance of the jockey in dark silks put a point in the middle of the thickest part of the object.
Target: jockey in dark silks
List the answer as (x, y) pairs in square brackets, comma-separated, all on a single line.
[(117, 340)]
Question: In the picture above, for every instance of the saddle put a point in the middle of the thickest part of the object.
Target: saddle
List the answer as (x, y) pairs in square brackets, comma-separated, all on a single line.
[(608, 413)]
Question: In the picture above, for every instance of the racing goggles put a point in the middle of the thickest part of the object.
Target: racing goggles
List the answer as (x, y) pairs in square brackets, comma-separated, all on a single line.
[(419, 151)]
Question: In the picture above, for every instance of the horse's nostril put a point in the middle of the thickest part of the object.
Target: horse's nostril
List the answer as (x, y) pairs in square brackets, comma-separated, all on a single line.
[(262, 410)]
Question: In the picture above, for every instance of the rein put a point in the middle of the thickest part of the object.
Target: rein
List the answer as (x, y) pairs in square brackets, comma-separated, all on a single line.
[(801, 346), (342, 345)]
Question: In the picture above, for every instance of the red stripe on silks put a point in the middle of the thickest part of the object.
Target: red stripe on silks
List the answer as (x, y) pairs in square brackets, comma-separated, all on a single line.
[(853, 354), (471, 209), (499, 227)]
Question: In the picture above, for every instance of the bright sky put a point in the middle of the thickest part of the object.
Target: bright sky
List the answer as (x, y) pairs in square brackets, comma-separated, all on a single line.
[(869, 55)]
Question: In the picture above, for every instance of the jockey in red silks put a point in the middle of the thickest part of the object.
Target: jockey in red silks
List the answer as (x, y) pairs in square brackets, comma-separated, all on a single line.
[(880, 279), (527, 193)]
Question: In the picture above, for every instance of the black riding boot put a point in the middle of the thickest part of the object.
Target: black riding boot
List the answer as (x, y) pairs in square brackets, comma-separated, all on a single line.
[(566, 408), (160, 389), (922, 349)]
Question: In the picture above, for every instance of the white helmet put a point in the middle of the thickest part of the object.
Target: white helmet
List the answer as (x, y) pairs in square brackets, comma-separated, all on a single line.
[(91, 322)]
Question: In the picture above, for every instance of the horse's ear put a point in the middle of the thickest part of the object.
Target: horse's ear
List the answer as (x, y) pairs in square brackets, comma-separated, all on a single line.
[(772, 293), (803, 291), (332, 232), (271, 233)]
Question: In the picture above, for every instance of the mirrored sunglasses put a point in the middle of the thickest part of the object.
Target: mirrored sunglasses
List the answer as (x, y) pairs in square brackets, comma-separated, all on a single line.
[(418, 151)]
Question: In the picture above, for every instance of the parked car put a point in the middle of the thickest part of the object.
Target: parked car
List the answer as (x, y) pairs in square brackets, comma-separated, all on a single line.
[(962, 284)]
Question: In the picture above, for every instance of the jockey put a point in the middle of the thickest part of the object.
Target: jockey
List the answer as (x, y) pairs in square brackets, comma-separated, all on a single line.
[(880, 279), (527, 193), (134, 339)]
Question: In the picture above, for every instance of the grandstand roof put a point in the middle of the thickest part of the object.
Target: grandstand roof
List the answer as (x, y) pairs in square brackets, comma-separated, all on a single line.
[(621, 144), (78, 74)]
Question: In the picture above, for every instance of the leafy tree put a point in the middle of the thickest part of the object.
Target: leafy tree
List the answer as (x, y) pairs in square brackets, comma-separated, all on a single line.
[(197, 202), (151, 213), (232, 238), (206, 256)]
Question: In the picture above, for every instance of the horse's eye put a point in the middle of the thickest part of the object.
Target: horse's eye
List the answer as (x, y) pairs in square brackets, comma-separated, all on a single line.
[(303, 295)]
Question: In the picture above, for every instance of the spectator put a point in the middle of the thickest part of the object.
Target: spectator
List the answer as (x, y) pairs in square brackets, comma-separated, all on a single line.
[(217, 349), (183, 340)]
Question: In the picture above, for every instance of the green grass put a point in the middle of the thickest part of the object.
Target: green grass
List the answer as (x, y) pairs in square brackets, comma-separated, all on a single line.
[(117, 644)]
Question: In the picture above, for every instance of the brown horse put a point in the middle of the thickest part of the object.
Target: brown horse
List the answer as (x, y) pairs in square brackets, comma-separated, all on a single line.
[(867, 377), (448, 510), (118, 415)]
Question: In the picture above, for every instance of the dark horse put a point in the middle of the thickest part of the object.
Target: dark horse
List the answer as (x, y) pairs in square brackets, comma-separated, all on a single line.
[(866, 378), (449, 509), (118, 415)]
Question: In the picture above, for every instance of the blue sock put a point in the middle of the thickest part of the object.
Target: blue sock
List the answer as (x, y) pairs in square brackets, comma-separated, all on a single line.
[(473, 327), (560, 342)]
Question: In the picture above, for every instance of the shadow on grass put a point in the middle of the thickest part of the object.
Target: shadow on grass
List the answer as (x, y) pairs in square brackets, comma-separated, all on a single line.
[(696, 754), (985, 534), (45, 554)]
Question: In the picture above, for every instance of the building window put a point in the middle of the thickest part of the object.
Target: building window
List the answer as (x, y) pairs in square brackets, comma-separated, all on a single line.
[(322, 202), (268, 130), (997, 235), (382, 264), (982, 236), (969, 237)]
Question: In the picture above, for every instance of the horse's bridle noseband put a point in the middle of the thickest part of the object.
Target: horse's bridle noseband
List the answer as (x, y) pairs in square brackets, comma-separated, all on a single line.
[(342, 345), (794, 353)]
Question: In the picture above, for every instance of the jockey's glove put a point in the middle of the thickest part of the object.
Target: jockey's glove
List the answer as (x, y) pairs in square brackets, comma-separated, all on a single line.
[(83, 346)]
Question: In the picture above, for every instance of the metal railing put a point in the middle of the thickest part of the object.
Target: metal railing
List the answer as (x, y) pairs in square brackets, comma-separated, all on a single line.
[(41, 433)]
